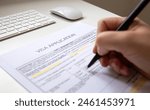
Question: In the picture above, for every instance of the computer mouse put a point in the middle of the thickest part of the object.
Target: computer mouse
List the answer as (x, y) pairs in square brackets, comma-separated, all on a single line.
[(67, 12)]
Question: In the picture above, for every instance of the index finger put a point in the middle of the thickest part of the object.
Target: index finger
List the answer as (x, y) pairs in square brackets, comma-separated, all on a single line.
[(109, 24)]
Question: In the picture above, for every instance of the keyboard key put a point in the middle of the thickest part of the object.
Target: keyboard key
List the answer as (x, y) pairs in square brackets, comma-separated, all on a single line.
[(18, 23)]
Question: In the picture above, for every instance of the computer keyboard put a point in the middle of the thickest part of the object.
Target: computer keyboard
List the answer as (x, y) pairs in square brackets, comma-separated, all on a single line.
[(19, 23)]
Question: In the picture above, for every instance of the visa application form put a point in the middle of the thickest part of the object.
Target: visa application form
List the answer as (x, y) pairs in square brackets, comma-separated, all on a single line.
[(58, 63)]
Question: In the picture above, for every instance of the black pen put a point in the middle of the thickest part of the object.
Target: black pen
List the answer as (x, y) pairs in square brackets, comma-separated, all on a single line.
[(125, 25)]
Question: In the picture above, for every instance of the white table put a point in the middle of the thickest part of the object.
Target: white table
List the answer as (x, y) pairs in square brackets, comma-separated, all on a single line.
[(90, 12)]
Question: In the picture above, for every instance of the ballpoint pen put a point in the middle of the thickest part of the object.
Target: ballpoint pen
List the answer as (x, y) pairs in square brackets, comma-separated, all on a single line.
[(125, 24)]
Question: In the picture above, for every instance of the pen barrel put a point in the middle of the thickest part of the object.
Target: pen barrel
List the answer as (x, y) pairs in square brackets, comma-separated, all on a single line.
[(128, 21)]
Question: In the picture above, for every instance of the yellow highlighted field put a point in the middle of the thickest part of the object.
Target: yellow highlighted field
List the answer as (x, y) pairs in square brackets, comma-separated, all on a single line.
[(46, 69)]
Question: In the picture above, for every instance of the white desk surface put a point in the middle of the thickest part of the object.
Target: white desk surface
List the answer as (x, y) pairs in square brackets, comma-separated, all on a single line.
[(90, 12)]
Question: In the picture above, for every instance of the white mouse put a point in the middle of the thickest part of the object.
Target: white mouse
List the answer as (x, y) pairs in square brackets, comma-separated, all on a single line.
[(67, 12)]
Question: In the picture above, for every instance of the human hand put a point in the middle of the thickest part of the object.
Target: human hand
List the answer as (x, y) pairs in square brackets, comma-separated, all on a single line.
[(133, 44)]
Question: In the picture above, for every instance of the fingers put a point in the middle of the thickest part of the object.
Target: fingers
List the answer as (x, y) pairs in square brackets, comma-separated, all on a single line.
[(104, 61), (115, 61), (110, 41), (109, 24), (119, 67), (124, 42), (107, 37)]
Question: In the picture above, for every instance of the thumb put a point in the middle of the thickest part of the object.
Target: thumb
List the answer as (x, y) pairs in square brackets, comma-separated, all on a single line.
[(111, 41)]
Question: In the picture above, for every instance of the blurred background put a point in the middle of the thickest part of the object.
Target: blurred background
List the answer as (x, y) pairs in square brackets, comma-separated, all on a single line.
[(119, 7), (122, 7)]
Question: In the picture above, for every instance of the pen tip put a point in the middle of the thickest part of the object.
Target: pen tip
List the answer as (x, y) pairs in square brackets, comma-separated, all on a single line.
[(89, 65), (95, 58)]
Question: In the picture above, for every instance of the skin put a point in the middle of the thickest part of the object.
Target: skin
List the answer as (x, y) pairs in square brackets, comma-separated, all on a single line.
[(123, 50)]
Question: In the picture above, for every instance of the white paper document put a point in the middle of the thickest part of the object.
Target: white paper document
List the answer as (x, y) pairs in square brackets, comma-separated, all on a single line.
[(58, 63)]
